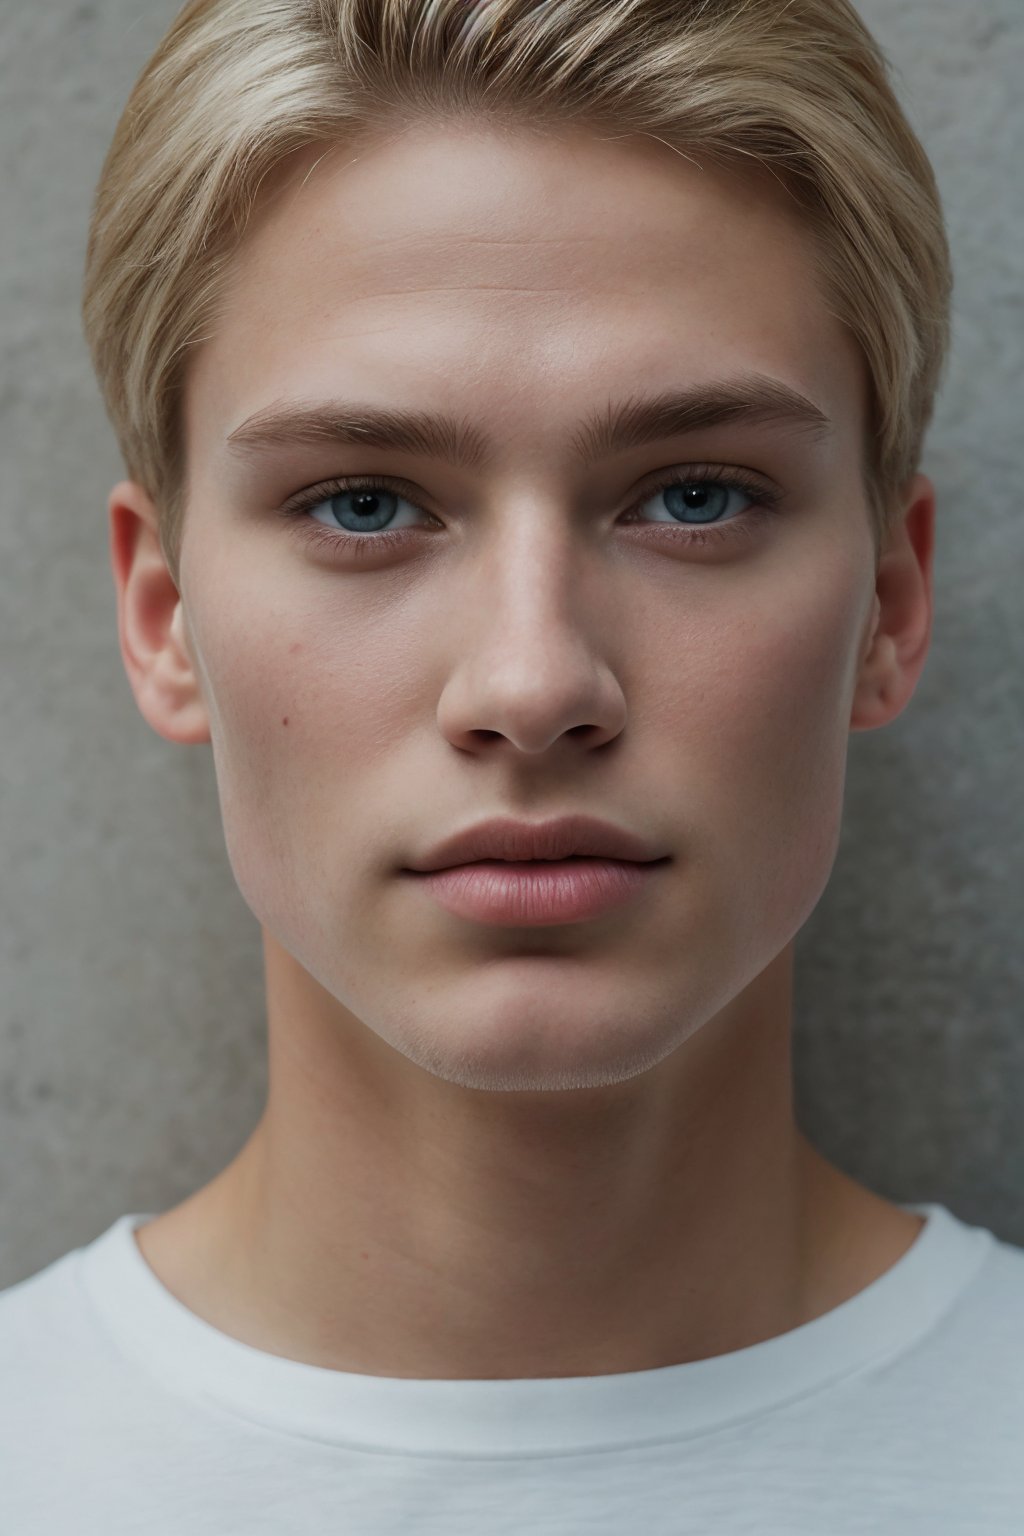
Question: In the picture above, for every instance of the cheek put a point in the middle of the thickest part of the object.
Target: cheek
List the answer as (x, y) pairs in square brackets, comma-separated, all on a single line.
[(304, 719), (764, 725), (797, 755)]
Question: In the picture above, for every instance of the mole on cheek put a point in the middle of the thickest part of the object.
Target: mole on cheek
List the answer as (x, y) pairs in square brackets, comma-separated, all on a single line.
[(285, 720)]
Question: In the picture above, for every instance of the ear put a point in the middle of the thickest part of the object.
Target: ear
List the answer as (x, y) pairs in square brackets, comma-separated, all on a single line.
[(896, 645), (151, 621)]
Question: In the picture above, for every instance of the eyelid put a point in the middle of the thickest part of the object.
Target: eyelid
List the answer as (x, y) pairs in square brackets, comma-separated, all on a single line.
[(313, 495), (762, 491)]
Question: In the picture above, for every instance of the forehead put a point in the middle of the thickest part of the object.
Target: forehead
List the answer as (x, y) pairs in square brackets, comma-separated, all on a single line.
[(464, 267)]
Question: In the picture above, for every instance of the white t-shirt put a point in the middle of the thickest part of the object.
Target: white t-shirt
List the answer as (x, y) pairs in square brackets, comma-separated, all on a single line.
[(899, 1413)]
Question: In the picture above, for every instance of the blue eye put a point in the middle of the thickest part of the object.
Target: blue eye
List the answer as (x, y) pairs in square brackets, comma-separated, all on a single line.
[(698, 501), (362, 509)]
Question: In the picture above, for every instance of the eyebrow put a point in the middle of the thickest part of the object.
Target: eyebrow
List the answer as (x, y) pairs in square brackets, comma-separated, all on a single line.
[(755, 399)]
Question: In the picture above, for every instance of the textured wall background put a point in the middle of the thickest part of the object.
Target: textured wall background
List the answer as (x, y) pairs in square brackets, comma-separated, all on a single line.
[(131, 1010)]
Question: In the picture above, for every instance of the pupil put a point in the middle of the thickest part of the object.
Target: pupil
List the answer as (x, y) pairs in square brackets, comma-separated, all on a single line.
[(360, 498)]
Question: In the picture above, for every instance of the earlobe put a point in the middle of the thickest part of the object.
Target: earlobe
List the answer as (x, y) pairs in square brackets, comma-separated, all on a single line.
[(151, 626), (902, 621)]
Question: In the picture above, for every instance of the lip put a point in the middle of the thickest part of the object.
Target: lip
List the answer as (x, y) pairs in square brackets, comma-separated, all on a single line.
[(533, 894), (508, 840)]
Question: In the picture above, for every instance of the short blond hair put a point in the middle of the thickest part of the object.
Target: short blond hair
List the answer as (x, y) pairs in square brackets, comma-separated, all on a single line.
[(237, 85)]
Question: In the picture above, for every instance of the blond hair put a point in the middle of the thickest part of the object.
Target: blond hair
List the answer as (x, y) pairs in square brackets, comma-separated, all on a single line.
[(237, 85)]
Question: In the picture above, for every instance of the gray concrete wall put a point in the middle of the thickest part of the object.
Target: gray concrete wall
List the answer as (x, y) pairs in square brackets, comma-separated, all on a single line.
[(131, 1010)]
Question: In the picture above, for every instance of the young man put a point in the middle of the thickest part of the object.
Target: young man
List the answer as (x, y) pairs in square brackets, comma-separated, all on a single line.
[(522, 406)]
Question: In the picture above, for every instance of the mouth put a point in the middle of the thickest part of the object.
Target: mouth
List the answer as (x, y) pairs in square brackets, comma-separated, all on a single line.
[(568, 858), (531, 893), (562, 840)]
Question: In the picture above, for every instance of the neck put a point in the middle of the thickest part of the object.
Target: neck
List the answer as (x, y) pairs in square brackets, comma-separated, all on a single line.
[(384, 1222)]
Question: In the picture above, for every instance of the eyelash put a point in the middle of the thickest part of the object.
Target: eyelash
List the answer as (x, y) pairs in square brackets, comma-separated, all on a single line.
[(766, 505)]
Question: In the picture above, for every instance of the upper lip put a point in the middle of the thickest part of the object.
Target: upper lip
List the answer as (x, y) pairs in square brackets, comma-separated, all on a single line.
[(505, 838)]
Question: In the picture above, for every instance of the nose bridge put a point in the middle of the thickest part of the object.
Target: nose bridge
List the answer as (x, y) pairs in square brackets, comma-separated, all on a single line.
[(533, 579)]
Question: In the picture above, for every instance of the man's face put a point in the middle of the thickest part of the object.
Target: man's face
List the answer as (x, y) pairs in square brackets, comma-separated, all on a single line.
[(544, 637)]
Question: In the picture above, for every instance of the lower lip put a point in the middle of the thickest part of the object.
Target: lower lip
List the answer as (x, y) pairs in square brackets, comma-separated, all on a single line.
[(528, 895)]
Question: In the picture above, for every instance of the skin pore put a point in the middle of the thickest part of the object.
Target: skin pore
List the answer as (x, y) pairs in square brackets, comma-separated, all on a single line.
[(494, 1152)]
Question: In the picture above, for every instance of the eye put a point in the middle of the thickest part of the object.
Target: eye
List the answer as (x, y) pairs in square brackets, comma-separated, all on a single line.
[(369, 516), (701, 506), (698, 501), (363, 508)]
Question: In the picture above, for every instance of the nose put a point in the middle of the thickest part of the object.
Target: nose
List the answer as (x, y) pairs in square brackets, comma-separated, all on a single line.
[(530, 652)]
